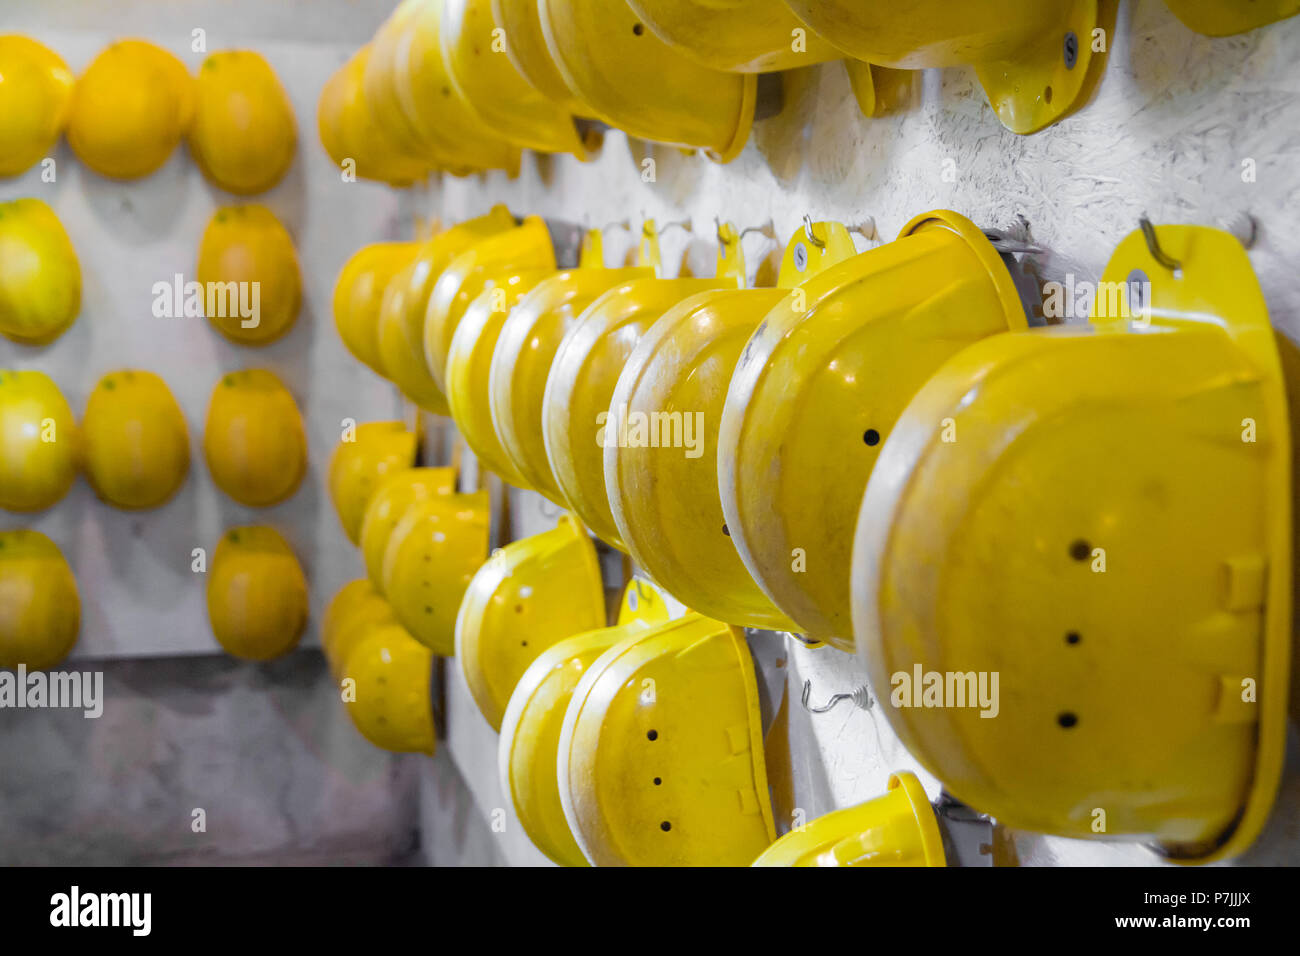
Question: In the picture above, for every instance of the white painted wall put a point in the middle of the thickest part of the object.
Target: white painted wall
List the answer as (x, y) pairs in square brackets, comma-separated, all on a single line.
[(139, 596)]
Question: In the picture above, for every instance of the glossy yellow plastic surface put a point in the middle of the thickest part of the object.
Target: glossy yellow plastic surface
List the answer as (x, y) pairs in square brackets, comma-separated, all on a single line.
[(520, 363), (350, 616), (637, 83), (1221, 18), (426, 95), (530, 730), (254, 440), (469, 363), (530, 595), (576, 404), (136, 442), (393, 706), (248, 246), (898, 829), (661, 751), (406, 299), (433, 553), (130, 109), (244, 133), (738, 36), (529, 53), (35, 99), (1110, 533), (816, 392), (257, 594), (359, 296), (380, 80), (662, 485), (353, 136), (474, 49), (1021, 49), (361, 462), (388, 505), (40, 609), (521, 249), (40, 277), (39, 443)]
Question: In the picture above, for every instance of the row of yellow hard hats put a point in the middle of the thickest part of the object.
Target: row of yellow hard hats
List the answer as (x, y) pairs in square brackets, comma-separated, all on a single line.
[(256, 597), (135, 102), (902, 354), (463, 85), (134, 444), (636, 744), (247, 282)]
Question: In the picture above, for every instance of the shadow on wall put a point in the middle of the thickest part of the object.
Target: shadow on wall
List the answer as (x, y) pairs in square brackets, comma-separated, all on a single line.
[(265, 752)]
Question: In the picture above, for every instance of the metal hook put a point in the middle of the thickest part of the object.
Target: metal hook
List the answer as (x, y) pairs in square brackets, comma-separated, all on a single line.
[(684, 224), (861, 698), (767, 229), (1153, 246), (616, 224), (808, 231)]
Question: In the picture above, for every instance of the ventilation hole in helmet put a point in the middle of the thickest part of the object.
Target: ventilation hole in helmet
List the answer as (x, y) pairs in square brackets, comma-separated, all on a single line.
[(652, 735), (639, 29), (1073, 638), (658, 781), (1067, 720), (871, 437), (665, 826), (1080, 550)]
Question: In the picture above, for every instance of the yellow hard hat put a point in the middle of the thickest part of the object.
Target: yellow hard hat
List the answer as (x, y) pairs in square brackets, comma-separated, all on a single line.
[(35, 99), (352, 136), (352, 613), (527, 50), (664, 501), (248, 270), (816, 393), (254, 441), (473, 48), (739, 36), (390, 702), (469, 364), (130, 109), (1109, 537), (359, 296), (425, 92), (431, 558), (379, 83), (40, 610), (898, 829), (639, 84), (400, 332), (39, 443), (519, 364), (136, 442), (257, 594), (661, 751), (1035, 60), (40, 282), (521, 249), (392, 497), (530, 729), (360, 462), (1221, 18), (531, 594), (576, 421), (244, 134)]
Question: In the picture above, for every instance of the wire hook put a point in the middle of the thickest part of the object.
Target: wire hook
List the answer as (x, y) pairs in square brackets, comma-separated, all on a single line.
[(1153, 246), (808, 231), (861, 698)]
